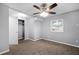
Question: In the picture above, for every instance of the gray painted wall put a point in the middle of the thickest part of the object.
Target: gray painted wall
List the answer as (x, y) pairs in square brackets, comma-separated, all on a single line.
[(4, 28), (13, 30), (33, 28), (71, 28)]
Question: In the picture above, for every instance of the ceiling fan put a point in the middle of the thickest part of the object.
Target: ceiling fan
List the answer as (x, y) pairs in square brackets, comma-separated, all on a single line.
[(44, 10)]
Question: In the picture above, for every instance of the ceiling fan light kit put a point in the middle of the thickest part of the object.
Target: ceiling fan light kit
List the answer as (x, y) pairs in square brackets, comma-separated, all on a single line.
[(44, 14)]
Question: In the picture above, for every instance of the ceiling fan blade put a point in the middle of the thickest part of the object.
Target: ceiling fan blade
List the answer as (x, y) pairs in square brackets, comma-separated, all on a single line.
[(36, 7), (52, 12), (36, 13), (52, 6)]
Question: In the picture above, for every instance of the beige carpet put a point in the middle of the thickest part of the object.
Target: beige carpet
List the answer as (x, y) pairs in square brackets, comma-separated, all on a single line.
[(41, 47)]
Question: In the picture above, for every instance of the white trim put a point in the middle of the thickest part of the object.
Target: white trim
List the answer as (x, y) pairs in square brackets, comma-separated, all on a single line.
[(4, 51), (63, 43)]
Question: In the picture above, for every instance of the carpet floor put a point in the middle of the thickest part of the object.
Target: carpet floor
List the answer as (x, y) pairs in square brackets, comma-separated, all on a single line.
[(41, 47)]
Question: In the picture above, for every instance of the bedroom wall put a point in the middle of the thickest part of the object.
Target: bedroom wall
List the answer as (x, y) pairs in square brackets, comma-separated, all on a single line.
[(71, 29), (13, 30), (4, 29), (33, 28)]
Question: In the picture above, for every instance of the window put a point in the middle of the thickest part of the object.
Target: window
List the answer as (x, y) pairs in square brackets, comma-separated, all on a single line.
[(57, 25)]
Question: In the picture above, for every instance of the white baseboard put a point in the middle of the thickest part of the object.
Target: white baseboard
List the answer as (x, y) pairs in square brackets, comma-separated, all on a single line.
[(13, 43), (4, 51), (63, 43)]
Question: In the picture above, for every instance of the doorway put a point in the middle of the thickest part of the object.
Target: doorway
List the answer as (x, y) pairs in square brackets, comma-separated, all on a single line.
[(21, 31)]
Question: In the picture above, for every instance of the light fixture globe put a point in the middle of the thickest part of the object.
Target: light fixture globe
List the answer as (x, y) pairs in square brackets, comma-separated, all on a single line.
[(44, 14)]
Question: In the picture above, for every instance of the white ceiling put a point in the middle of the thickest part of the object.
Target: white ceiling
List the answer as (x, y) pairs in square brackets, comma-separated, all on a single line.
[(29, 9)]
